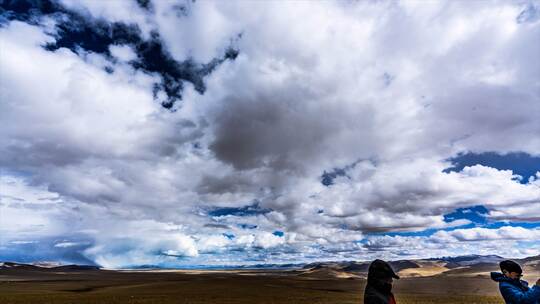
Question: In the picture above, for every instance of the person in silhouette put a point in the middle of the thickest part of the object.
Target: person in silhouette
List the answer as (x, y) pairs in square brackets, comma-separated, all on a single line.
[(513, 289), (379, 284)]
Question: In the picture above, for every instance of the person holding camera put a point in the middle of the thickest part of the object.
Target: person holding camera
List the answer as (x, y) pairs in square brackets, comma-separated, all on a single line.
[(513, 289)]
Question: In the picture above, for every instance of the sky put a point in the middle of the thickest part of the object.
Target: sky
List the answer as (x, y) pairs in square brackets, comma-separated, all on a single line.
[(222, 133)]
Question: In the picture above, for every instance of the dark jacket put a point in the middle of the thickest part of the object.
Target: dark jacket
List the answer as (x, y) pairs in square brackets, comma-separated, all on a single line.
[(374, 295), (516, 291)]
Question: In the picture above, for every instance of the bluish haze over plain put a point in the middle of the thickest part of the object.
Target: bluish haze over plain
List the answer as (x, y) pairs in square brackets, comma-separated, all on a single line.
[(247, 132)]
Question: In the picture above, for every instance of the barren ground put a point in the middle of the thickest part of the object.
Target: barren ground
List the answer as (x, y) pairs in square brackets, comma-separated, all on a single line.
[(227, 287)]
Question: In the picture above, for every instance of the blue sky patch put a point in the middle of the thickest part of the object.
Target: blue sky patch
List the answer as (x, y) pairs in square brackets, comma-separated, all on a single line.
[(388, 79), (254, 209), (519, 162), (429, 232), (476, 214), (45, 250), (278, 233), (247, 226), (230, 236), (527, 225), (530, 14), (327, 178)]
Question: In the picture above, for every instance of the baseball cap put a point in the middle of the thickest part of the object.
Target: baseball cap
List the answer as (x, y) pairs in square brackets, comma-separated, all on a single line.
[(510, 266)]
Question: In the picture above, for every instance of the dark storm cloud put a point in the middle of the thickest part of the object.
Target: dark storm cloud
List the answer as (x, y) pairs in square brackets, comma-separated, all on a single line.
[(227, 184), (37, 153), (81, 33), (487, 104), (219, 226), (281, 131)]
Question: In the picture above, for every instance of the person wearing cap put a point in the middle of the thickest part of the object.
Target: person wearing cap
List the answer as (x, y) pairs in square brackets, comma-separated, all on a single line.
[(513, 289), (379, 284)]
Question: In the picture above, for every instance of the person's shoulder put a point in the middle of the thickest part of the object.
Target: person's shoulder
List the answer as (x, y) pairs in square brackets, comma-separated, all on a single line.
[(507, 284), (512, 287)]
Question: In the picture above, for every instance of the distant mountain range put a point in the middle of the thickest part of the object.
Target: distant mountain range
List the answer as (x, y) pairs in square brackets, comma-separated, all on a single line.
[(467, 260), (40, 266), (468, 265)]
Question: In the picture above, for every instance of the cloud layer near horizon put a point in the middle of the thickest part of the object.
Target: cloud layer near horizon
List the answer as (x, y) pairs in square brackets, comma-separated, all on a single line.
[(376, 96)]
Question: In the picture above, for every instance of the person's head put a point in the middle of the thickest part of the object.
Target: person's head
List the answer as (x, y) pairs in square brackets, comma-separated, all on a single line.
[(381, 271), (511, 269)]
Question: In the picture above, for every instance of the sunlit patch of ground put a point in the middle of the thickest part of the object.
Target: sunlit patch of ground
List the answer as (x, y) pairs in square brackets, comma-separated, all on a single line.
[(425, 269)]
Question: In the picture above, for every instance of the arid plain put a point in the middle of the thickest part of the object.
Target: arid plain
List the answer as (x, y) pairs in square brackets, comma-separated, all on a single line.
[(423, 281)]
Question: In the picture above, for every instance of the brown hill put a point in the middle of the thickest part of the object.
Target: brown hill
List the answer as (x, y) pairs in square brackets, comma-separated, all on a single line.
[(465, 266)]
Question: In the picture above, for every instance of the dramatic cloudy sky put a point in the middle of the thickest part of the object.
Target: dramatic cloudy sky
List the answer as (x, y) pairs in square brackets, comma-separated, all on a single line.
[(243, 132)]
